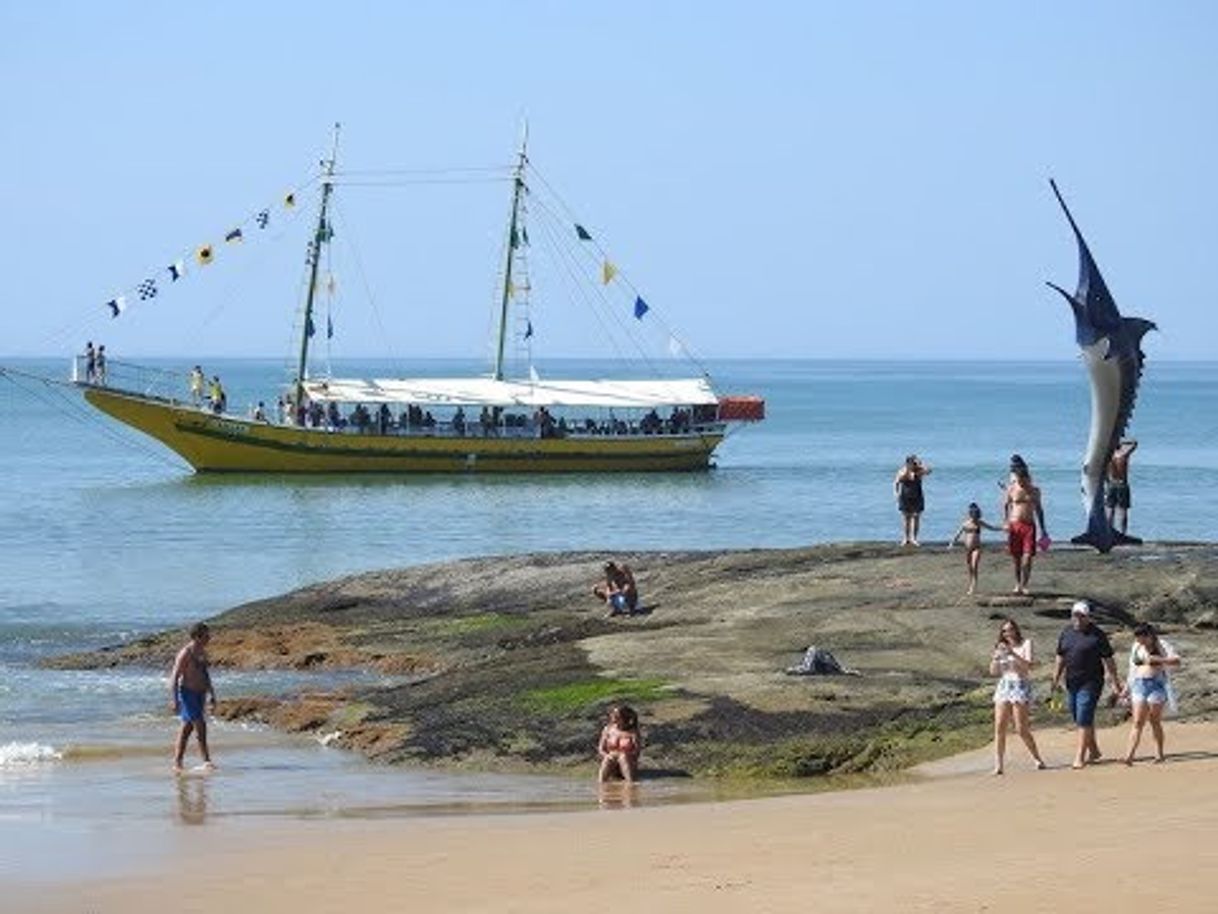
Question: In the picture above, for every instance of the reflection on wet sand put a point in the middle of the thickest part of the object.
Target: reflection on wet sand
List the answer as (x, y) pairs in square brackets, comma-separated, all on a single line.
[(192, 800), (617, 795)]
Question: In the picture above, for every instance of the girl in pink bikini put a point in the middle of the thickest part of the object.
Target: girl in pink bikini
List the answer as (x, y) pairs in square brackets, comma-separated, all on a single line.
[(620, 745)]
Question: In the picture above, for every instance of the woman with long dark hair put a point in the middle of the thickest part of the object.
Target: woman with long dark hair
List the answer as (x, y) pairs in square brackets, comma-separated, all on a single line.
[(1012, 663), (1150, 661)]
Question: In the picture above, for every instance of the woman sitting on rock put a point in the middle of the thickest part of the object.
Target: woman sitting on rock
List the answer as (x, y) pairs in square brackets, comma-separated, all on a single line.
[(620, 745)]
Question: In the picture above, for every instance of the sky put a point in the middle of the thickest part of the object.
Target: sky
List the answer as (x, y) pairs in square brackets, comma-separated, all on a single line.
[(819, 180)]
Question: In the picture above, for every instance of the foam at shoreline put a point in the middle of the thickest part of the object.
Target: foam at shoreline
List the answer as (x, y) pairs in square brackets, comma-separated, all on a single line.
[(24, 755)]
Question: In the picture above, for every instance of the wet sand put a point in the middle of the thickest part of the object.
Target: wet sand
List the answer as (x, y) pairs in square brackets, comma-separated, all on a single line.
[(956, 839)]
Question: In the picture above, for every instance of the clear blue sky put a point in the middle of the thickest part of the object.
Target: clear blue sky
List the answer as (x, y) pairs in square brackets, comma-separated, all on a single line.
[(787, 179)]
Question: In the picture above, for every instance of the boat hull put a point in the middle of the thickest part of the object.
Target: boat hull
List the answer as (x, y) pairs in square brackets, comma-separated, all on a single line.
[(227, 444)]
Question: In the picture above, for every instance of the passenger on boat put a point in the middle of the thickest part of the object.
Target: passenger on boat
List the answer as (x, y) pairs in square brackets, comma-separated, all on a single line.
[(281, 410), (620, 745), (99, 367), (545, 422), (484, 421), (384, 419), (429, 421), (459, 421), (196, 385), (334, 418), (90, 363), (260, 412), (216, 395)]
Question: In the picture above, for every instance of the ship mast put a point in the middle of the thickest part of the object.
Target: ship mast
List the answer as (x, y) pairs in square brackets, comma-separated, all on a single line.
[(320, 237), (513, 240)]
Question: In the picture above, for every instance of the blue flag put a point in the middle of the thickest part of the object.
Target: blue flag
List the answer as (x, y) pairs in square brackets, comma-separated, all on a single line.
[(329, 328), (309, 328), (528, 329), (640, 307)]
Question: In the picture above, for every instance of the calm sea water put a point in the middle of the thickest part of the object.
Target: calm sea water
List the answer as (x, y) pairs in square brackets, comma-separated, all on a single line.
[(108, 535)]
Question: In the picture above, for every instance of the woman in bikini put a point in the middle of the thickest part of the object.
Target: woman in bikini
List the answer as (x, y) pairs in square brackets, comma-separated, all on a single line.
[(1150, 660), (970, 530), (620, 745), (1012, 663)]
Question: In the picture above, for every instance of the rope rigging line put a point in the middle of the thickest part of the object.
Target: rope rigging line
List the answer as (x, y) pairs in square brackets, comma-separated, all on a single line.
[(502, 179), (603, 256), (579, 284), (558, 229), (386, 337), (55, 396), (90, 318)]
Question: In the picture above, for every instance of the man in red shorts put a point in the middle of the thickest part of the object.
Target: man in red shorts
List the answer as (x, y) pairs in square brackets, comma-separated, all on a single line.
[(1023, 511)]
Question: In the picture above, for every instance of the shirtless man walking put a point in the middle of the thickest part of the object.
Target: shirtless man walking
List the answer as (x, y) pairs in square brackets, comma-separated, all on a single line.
[(189, 685), (1117, 497), (1023, 512)]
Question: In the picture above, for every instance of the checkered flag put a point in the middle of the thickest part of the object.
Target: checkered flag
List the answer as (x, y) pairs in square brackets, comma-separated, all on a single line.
[(147, 289), (263, 218)]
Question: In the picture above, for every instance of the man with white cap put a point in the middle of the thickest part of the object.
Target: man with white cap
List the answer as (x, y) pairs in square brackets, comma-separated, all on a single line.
[(1083, 655)]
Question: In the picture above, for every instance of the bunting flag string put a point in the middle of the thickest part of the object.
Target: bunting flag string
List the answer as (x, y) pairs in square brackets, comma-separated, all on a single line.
[(203, 255)]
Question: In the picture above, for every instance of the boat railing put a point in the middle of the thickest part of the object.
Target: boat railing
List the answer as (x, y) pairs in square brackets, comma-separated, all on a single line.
[(475, 430), (126, 377)]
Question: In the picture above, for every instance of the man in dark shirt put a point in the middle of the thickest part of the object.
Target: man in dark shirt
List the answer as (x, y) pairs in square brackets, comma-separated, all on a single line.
[(1083, 655)]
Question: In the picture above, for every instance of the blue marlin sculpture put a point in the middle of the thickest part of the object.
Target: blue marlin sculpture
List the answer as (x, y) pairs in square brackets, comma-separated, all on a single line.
[(1112, 352)]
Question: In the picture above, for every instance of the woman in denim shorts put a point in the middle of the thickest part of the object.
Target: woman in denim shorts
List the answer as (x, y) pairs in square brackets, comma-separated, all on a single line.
[(1150, 661)]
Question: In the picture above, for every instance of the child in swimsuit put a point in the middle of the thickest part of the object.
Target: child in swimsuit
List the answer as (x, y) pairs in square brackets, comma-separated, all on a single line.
[(620, 745), (970, 531)]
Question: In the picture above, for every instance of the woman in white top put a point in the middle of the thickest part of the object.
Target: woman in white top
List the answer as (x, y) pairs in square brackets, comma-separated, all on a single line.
[(1150, 661), (1012, 663)]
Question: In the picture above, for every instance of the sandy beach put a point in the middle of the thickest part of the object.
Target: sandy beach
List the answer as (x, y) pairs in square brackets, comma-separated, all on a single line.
[(954, 839)]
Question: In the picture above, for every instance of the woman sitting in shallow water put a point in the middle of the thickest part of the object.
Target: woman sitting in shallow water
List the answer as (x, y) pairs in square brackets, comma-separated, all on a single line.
[(620, 745)]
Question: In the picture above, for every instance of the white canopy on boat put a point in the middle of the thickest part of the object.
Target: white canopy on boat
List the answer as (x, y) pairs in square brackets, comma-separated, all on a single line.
[(489, 392)]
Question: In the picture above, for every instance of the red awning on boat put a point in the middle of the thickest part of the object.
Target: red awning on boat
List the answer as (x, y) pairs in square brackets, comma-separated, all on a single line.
[(741, 409)]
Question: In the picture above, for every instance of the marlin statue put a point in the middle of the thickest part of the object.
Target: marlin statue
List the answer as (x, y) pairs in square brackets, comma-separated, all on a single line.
[(1112, 351)]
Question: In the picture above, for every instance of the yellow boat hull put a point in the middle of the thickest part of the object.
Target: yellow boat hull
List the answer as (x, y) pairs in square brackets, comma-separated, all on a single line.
[(211, 443)]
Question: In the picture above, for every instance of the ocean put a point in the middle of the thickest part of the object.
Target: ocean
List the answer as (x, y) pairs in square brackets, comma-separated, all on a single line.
[(108, 536)]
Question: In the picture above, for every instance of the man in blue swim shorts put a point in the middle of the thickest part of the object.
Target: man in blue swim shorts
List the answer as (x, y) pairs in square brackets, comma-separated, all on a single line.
[(189, 685), (1083, 656)]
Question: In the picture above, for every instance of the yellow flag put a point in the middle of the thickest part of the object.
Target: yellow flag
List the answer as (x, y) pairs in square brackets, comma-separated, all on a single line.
[(204, 255), (608, 271), (511, 289)]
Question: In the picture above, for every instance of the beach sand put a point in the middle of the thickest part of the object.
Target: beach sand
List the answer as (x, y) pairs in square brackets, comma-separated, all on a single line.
[(955, 839)]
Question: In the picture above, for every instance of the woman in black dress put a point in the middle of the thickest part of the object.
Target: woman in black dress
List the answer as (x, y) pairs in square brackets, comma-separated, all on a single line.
[(907, 487)]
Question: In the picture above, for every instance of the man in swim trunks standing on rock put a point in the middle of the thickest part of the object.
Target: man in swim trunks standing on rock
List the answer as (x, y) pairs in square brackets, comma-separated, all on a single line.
[(1117, 497), (1022, 511), (189, 685)]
